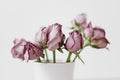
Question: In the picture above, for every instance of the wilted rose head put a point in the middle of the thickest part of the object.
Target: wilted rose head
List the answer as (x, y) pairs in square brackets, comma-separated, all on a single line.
[(26, 50), (98, 39)]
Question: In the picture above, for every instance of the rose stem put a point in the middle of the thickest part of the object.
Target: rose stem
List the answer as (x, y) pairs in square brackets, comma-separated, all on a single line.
[(54, 57), (69, 56), (47, 59)]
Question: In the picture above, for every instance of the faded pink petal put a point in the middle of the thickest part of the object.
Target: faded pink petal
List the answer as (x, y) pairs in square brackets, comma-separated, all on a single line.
[(100, 43), (26, 50), (98, 33), (33, 51)]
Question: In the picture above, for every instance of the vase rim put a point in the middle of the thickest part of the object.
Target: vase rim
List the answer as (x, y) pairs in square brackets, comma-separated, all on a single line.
[(54, 63)]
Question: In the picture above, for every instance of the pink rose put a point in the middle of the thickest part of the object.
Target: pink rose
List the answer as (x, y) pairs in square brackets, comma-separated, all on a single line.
[(74, 42), (88, 30), (52, 36), (26, 50), (98, 39), (98, 33), (81, 20), (41, 35), (55, 36)]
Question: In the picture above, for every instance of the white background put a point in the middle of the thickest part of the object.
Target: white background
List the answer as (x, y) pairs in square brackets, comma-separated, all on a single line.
[(22, 19)]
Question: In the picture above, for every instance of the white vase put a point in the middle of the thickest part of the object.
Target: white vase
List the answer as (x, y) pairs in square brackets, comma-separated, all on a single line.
[(54, 71)]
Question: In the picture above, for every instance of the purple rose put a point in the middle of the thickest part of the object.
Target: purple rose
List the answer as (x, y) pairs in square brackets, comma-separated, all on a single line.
[(74, 42), (55, 36), (88, 31), (52, 36), (98, 39), (41, 35), (26, 50), (81, 20)]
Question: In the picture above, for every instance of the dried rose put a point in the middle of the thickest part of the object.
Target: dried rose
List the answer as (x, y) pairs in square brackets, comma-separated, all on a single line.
[(74, 42), (98, 39), (26, 50), (55, 36)]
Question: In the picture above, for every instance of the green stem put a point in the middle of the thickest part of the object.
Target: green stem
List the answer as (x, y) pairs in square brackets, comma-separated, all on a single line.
[(54, 57), (81, 59), (87, 44), (77, 55), (38, 59), (47, 59), (69, 57)]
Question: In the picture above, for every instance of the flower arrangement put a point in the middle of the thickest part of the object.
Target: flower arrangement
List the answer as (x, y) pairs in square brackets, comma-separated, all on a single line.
[(52, 38)]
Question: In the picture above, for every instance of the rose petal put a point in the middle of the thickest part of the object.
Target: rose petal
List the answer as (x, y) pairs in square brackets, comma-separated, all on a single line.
[(98, 33), (99, 43)]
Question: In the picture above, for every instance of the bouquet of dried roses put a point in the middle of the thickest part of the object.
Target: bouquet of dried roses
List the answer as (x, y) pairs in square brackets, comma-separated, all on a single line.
[(52, 38)]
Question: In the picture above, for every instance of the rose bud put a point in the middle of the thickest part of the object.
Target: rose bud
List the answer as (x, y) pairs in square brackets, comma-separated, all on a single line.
[(74, 42), (55, 37), (98, 39), (81, 20), (41, 35), (88, 31), (25, 50)]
